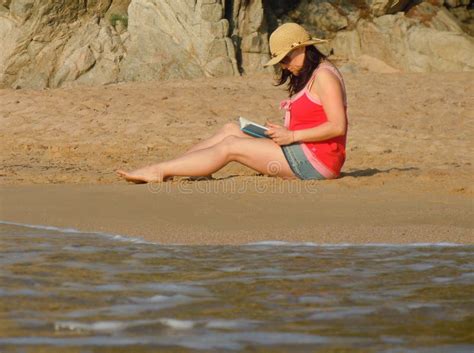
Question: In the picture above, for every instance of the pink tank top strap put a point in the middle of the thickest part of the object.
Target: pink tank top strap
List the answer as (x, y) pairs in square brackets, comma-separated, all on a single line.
[(334, 70)]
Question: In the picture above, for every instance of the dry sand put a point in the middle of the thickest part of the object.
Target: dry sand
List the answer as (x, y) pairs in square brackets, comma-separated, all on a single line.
[(407, 178)]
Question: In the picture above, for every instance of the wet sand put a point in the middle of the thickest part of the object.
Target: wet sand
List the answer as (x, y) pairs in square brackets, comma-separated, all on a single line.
[(407, 178), (196, 213)]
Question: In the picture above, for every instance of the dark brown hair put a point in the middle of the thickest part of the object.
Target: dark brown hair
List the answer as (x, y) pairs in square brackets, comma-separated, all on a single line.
[(312, 59)]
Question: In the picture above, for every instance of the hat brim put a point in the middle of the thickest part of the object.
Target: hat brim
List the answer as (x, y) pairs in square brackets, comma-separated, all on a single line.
[(278, 58)]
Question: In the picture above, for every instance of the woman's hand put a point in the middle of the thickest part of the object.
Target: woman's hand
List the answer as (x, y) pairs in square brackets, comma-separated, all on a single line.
[(280, 134)]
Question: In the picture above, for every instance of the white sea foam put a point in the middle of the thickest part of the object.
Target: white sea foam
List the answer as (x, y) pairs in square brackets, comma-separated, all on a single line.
[(232, 324), (341, 313), (118, 237), (239, 340), (111, 326), (177, 298), (177, 288), (178, 324), (345, 245), (100, 326), (270, 243)]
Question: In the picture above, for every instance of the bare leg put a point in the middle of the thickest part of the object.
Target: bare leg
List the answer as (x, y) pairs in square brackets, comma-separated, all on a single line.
[(229, 129), (262, 155)]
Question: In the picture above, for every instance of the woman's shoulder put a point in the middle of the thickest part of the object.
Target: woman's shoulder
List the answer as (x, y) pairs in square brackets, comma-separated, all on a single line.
[(328, 70), (326, 64), (328, 79)]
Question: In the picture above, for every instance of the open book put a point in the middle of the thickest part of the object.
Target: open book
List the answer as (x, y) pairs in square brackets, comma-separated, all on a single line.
[(251, 128)]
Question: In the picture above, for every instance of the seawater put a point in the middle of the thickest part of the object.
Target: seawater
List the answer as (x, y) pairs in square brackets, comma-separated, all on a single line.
[(66, 291)]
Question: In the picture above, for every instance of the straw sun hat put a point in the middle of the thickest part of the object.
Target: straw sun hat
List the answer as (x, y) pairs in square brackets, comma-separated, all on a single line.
[(287, 37)]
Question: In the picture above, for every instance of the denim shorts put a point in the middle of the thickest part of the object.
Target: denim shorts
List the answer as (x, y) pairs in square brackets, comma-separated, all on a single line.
[(299, 164)]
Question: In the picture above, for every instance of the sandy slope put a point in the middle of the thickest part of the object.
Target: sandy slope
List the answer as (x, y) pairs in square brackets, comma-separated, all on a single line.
[(409, 133)]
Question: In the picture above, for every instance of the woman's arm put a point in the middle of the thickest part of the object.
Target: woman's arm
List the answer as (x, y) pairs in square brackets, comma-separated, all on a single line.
[(329, 89)]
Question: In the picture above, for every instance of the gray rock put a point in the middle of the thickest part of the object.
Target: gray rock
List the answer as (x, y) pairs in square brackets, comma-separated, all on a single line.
[(51, 43), (384, 7), (456, 3), (323, 18), (465, 18), (21, 9), (47, 45), (177, 39), (249, 34), (407, 44), (5, 3), (212, 12), (349, 68)]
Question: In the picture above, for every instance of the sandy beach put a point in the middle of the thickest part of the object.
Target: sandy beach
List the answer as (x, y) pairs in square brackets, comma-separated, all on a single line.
[(407, 178)]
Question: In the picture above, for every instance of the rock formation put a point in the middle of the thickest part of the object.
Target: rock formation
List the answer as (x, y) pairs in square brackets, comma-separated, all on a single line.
[(170, 39), (48, 44), (426, 38), (52, 43)]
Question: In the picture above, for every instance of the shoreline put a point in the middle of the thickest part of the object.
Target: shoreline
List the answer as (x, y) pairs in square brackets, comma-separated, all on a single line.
[(407, 177), (197, 218), (140, 240)]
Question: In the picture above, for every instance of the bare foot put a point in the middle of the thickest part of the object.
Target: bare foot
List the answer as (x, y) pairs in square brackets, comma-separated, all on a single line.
[(142, 176)]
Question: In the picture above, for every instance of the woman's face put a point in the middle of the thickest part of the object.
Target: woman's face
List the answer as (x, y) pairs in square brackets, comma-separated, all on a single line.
[(293, 62)]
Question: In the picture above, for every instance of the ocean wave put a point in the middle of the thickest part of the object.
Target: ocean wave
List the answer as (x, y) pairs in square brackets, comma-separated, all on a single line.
[(260, 244)]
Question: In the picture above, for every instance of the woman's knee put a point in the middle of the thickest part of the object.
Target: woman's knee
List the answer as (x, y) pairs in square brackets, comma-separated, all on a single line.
[(229, 129), (229, 145)]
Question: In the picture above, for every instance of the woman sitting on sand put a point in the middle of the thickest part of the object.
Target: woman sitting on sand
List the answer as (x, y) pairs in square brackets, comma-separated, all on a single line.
[(310, 145)]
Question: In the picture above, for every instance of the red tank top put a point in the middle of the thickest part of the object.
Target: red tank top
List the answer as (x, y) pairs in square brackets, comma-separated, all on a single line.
[(304, 112)]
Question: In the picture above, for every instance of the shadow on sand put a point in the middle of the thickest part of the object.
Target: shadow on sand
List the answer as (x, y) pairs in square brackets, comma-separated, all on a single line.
[(372, 171), (353, 173)]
